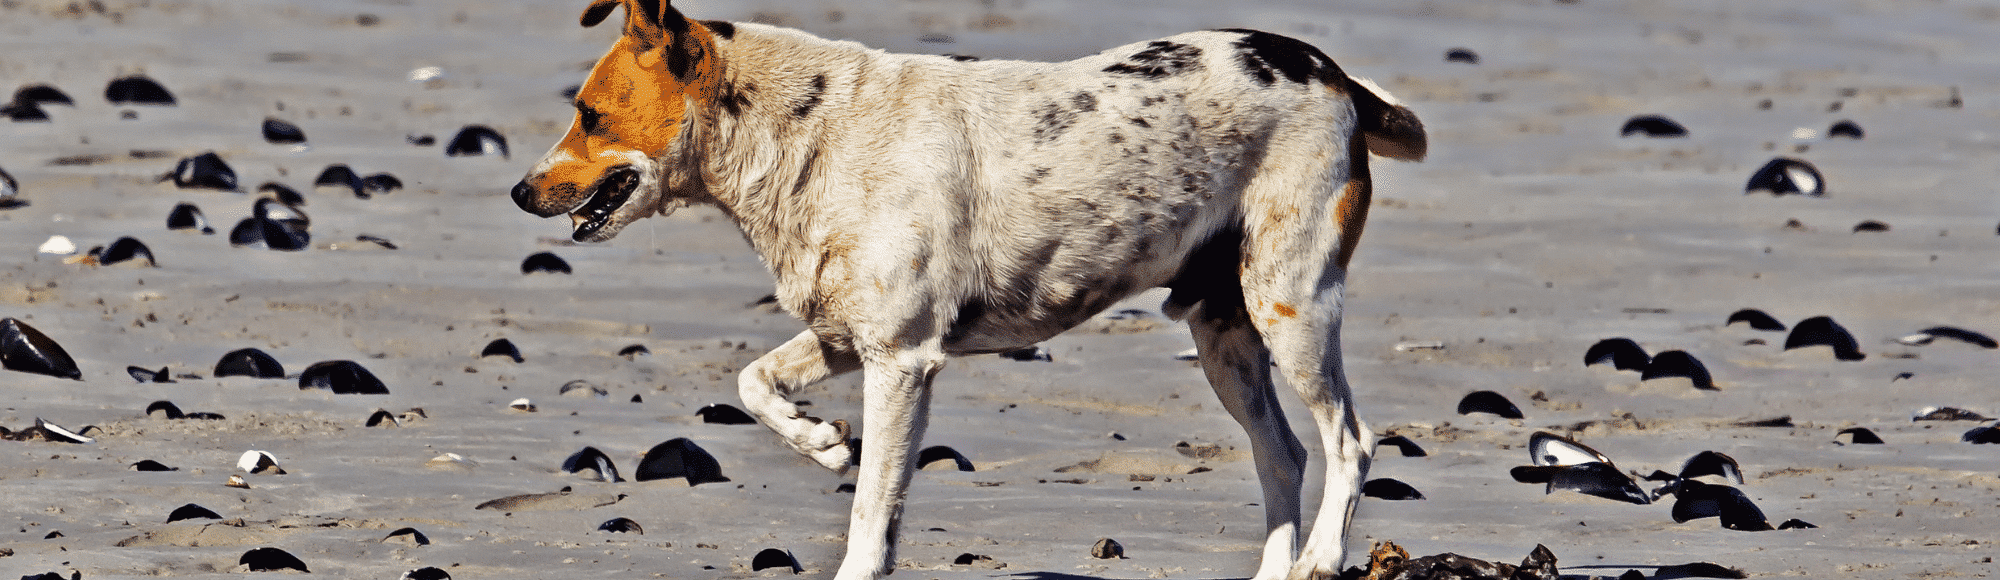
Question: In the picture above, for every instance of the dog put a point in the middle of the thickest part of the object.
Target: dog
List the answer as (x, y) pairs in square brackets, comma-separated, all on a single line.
[(913, 208)]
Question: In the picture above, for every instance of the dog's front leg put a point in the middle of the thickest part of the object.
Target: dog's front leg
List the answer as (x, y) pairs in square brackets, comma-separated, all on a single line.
[(799, 362), (896, 396)]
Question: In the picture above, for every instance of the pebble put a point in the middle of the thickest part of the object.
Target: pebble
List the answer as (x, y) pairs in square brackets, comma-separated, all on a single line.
[(724, 414), (192, 512), (279, 132), (1655, 126), (407, 536), (1757, 320), (1823, 331), (938, 455), (1107, 549), (259, 462), (477, 140), (679, 458), (426, 573), (343, 377), (1390, 489), (271, 560), (775, 558), (249, 362), (1488, 402), (25, 349), (1785, 175), (185, 216), (544, 262), (594, 461), (204, 171), (1679, 364), (10, 192), (1621, 353), (501, 347), (137, 90), (621, 526)]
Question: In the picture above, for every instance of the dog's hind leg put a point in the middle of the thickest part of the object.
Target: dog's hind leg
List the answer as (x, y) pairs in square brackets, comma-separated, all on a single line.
[(1239, 368), (1300, 227), (799, 362)]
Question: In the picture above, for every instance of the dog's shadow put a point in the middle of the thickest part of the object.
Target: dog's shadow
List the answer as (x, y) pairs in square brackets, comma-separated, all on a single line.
[(1062, 576)]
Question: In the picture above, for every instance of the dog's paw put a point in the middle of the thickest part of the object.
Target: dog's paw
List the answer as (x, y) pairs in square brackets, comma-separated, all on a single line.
[(827, 444)]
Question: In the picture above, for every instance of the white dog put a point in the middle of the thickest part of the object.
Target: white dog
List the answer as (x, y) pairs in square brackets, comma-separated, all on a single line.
[(913, 208)]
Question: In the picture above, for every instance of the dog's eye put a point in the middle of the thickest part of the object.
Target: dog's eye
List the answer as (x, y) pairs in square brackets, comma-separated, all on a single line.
[(588, 118)]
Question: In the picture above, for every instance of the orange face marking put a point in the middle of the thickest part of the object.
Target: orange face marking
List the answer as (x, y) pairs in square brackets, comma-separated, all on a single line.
[(1284, 310), (632, 105)]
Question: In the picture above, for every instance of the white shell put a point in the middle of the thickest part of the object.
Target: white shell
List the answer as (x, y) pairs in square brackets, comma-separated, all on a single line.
[(419, 75), (59, 431), (1550, 450), (522, 404), (58, 245), (254, 460)]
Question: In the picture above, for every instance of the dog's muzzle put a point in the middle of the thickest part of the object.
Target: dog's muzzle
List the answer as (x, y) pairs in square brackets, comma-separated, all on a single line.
[(524, 196)]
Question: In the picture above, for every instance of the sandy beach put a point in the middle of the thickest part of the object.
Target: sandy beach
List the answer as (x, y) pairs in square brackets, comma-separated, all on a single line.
[(1532, 232)]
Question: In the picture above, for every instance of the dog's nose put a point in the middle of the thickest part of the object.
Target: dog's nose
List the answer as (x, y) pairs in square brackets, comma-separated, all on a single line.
[(524, 196)]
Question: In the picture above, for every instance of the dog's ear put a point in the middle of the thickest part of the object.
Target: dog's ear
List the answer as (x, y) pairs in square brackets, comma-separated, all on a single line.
[(597, 11), (650, 12), (648, 20)]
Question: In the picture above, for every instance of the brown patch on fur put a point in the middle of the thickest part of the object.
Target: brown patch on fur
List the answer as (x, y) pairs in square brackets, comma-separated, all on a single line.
[(1284, 310), (1352, 211)]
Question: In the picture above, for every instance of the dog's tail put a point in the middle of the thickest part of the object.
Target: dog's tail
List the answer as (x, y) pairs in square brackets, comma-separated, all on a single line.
[(1389, 128)]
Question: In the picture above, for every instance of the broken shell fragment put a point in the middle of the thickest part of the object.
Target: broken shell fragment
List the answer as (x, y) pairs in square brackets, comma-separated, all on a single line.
[(259, 462)]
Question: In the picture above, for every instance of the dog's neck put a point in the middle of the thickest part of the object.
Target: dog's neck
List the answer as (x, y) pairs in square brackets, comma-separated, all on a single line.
[(760, 151)]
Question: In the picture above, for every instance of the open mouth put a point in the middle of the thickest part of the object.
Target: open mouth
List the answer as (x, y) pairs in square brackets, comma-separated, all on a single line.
[(610, 194)]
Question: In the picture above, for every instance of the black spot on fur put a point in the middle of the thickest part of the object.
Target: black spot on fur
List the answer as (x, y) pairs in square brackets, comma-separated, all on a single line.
[(806, 169), (1036, 177), (1141, 121), (1085, 102), (1159, 60), (721, 28), (1209, 277), (1261, 53), (1116, 138), (1054, 121), (813, 99), (734, 99), (969, 314), (685, 51)]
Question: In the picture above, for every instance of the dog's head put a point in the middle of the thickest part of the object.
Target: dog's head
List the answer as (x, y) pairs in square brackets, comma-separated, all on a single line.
[(630, 115)]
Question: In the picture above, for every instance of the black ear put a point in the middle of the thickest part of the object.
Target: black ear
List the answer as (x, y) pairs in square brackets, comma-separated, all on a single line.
[(597, 11), (651, 11), (664, 13)]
